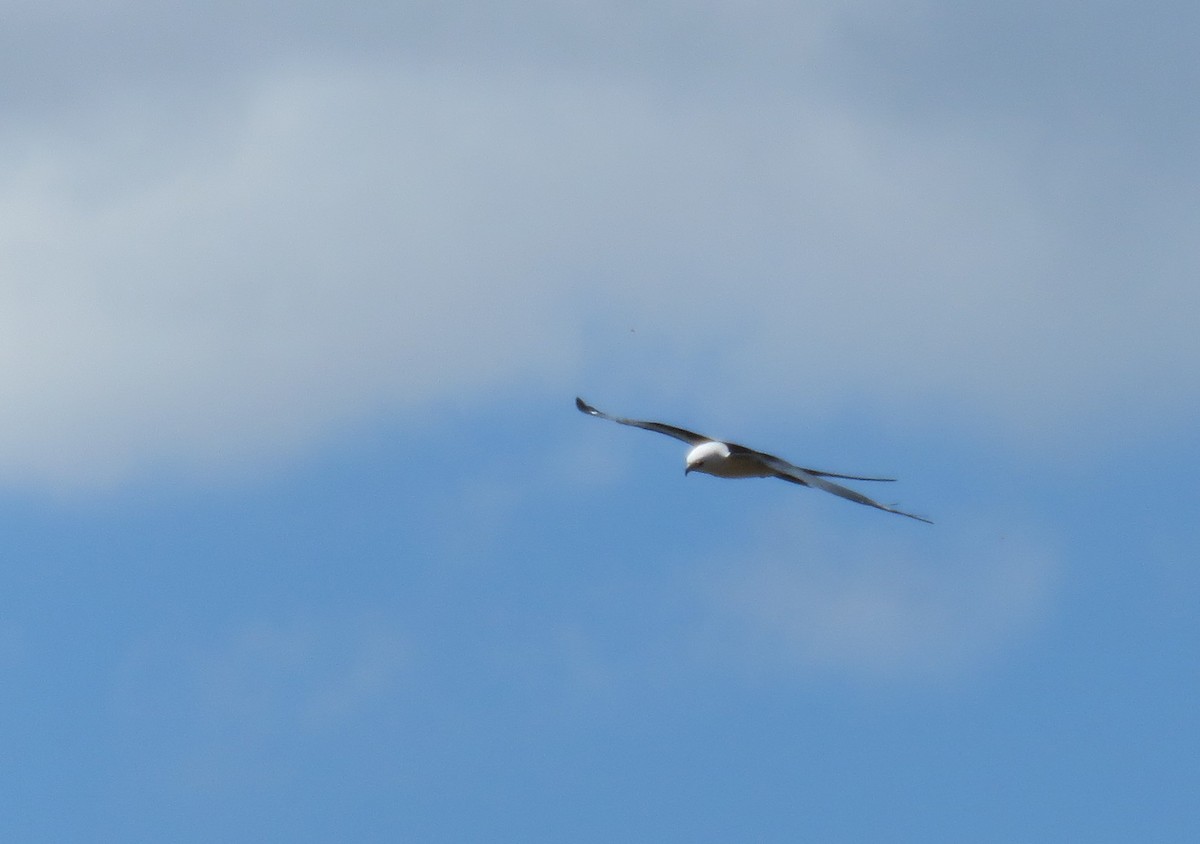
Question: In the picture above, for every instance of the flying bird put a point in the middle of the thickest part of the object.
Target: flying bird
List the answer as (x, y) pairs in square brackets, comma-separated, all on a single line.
[(730, 460)]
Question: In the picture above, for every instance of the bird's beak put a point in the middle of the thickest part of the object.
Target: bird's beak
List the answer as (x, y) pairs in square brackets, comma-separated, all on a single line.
[(686, 469)]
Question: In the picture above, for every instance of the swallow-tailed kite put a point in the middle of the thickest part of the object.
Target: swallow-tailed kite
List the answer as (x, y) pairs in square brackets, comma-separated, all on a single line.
[(729, 460)]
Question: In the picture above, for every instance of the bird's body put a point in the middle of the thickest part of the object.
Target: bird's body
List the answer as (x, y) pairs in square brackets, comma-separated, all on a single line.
[(730, 460), (715, 458)]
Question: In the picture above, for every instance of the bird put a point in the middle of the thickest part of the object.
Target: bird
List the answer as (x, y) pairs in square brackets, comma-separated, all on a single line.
[(729, 460)]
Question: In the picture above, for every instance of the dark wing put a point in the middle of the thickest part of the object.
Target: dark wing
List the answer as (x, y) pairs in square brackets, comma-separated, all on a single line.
[(770, 458), (689, 437), (786, 471)]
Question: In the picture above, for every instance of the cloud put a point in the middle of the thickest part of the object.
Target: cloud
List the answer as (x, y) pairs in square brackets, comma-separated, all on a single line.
[(222, 712), (218, 270), (270, 282), (877, 608), (267, 676)]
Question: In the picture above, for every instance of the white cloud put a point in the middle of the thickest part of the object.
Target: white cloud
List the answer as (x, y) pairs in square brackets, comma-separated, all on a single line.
[(882, 608), (206, 278), (254, 294), (232, 712), (260, 679)]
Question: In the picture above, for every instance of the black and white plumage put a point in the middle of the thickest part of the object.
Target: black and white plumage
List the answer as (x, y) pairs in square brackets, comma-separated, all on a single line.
[(730, 460)]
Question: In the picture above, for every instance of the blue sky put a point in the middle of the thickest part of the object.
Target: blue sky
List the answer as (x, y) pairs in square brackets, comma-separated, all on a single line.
[(307, 542)]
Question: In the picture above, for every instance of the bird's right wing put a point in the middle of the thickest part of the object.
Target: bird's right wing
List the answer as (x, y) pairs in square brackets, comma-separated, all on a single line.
[(771, 459), (689, 437), (786, 471)]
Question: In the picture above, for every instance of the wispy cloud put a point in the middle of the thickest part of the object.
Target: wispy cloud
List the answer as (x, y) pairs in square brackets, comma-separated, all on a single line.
[(882, 607), (215, 711)]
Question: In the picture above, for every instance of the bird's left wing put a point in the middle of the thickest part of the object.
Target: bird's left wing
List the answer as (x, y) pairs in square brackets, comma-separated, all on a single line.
[(775, 462), (786, 471), (689, 437)]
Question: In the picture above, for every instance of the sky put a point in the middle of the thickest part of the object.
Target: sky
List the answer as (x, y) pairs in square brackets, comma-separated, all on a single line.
[(305, 540)]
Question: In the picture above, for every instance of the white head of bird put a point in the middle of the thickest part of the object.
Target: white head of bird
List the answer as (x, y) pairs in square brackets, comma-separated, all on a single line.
[(708, 458)]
